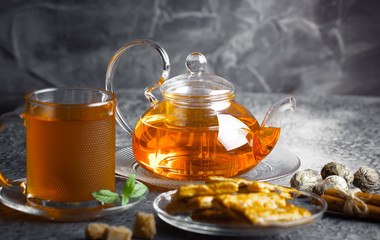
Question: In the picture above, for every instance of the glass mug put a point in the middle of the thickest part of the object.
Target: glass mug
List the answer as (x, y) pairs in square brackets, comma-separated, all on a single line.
[(70, 146)]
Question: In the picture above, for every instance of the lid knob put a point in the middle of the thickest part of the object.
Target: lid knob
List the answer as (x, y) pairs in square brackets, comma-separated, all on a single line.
[(196, 63)]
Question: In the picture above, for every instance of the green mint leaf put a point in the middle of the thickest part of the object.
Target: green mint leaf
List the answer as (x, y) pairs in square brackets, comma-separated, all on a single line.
[(106, 196), (124, 199), (138, 191), (130, 190), (129, 185)]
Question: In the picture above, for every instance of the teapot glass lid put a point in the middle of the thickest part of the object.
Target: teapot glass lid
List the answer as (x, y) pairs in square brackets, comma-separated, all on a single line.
[(197, 83)]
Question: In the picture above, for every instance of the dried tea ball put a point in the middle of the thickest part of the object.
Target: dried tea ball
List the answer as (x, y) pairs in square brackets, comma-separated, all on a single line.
[(334, 168), (305, 180), (366, 179), (333, 181)]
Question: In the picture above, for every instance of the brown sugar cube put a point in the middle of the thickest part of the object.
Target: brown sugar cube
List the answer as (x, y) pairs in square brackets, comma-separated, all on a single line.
[(95, 230), (117, 233), (145, 226)]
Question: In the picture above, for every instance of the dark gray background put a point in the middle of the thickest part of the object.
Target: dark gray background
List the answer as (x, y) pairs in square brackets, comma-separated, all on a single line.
[(289, 46)]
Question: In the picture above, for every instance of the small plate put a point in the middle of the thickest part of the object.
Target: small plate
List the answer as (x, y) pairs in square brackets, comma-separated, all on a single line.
[(279, 163), (314, 203), (17, 201)]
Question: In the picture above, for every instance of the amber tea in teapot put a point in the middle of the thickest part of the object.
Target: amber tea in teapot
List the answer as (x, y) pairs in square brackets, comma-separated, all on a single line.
[(195, 151), (197, 129)]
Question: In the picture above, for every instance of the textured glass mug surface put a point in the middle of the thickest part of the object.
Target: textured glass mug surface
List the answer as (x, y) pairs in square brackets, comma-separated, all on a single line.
[(70, 142)]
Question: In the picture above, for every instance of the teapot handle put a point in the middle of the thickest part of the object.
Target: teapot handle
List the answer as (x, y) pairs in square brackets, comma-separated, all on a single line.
[(112, 68)]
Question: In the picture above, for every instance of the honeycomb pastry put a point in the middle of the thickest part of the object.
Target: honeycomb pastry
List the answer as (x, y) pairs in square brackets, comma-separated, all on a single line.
[(263, 216), (288, 193), (250, 208), (193, 190), (256, 186), (246, 200), (186, 205)]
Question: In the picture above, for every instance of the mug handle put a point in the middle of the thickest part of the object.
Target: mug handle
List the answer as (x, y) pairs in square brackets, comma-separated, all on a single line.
[(6, 183), (120, 118)]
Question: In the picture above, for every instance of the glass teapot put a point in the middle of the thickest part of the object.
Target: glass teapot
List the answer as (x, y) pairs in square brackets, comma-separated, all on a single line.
[(197, 129)]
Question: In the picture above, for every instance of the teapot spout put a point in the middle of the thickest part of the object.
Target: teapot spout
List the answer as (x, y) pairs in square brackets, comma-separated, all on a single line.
[(273, 117), (269, 132)]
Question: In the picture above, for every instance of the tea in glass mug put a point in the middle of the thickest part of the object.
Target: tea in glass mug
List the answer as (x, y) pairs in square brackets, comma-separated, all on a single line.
[(70, 145)]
